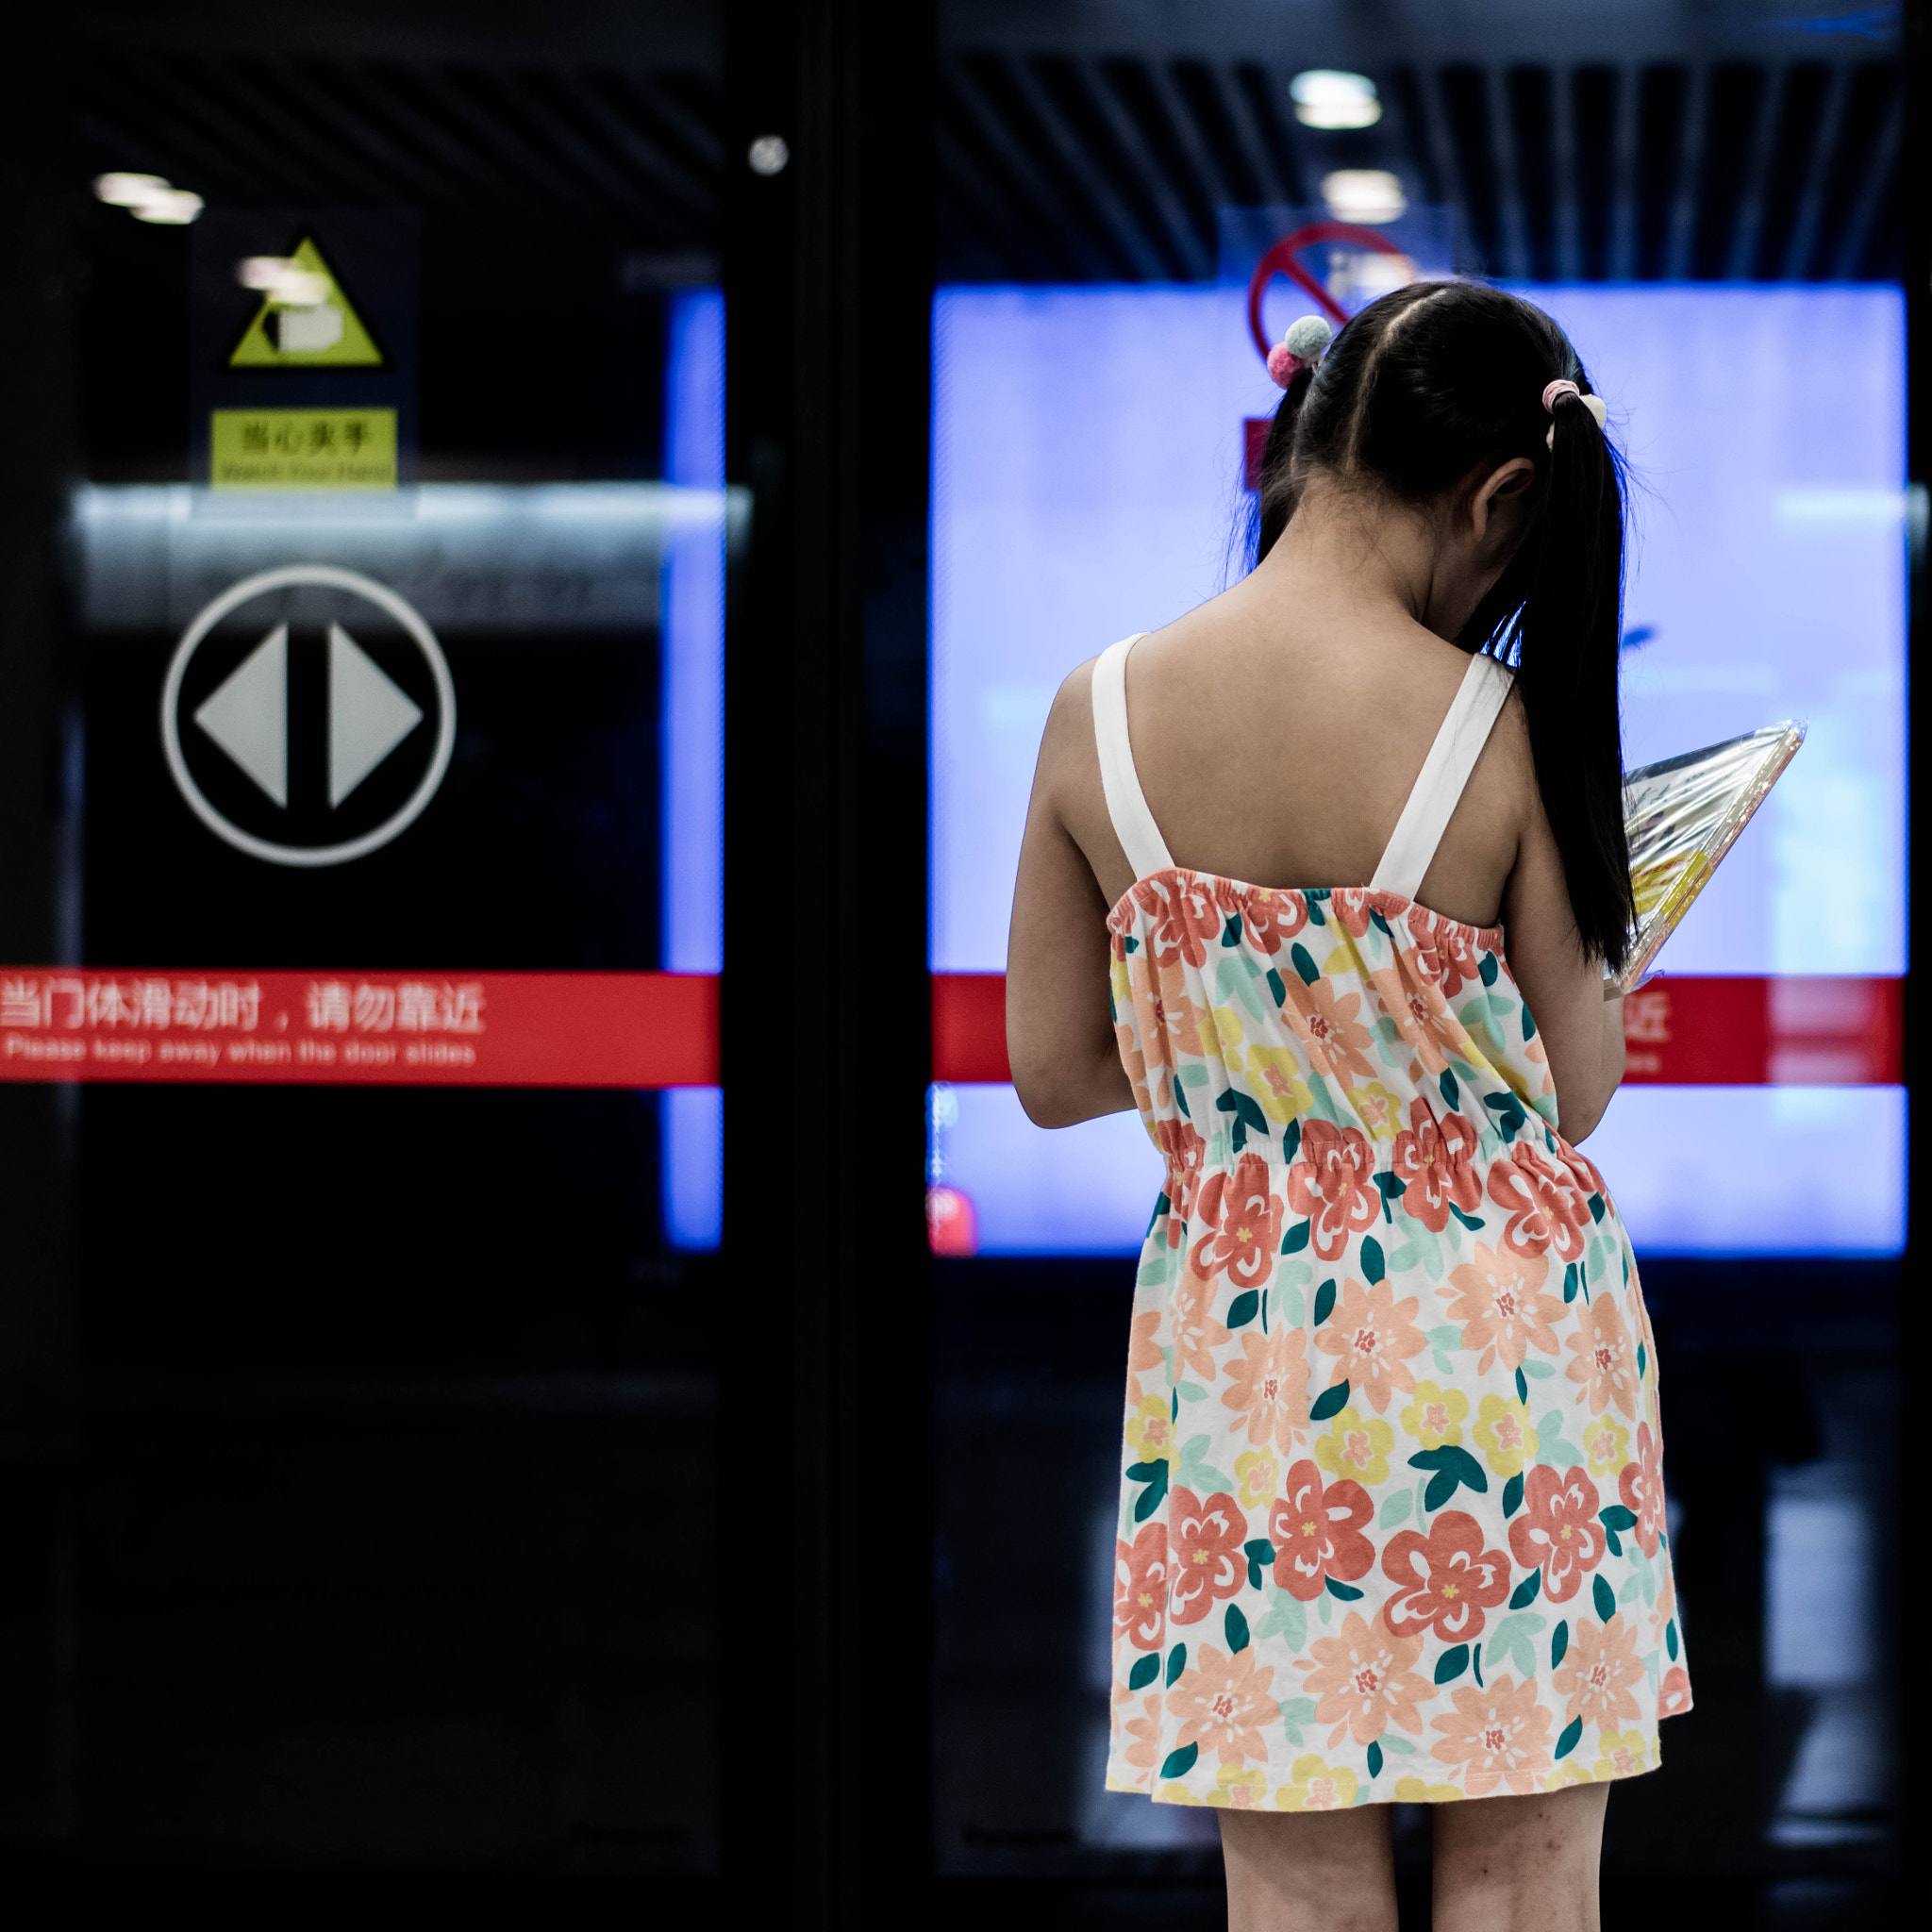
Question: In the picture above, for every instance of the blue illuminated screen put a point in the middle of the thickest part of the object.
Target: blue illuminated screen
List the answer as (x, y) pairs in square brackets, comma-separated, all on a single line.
[(1086, 447)]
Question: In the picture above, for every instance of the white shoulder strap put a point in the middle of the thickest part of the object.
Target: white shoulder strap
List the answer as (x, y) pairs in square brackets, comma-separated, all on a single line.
[(1126, 806), (1478, 702)]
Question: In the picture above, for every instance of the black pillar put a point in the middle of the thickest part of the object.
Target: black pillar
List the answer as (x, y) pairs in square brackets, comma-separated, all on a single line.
[(825, 1343)]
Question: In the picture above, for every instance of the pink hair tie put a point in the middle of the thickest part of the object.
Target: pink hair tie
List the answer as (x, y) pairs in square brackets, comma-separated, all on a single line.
[(1555, 392)]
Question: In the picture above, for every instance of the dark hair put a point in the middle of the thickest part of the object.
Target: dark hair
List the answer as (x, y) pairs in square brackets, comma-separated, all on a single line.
[(1425, 389)]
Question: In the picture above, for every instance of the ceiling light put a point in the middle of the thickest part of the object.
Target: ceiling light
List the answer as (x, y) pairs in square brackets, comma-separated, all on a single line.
[(148, 198), (1364, 194), (1325, 97), (282, 280), (173, 209)]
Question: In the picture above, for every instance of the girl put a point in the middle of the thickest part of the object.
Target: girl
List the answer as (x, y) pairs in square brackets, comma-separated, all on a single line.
[(1346, 844)]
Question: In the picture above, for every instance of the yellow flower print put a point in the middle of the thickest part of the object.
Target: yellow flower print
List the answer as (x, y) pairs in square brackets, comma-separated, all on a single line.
[(1568, 1772), (1355, 1448), (1621, 1754), (1274, 1079), (1313, 1786), (1256, 1472), (1436, 1416), (1151, 1430), (1607, 1442), (1174, 1794), (1378, 1109), (1411, 1791), (1226, 1025), (1504, 1435), (1241, 1791)]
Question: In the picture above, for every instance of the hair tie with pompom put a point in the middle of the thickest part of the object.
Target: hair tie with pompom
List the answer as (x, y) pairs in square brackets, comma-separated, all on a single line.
[(1302, 347), (1555, 392)]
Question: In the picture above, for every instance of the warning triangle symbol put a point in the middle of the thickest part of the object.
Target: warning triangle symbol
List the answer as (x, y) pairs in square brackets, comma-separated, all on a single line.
[(328, 333)]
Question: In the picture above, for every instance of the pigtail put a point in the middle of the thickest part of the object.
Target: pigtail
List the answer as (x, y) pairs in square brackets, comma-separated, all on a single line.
[(1276, 499), (1567, 636)]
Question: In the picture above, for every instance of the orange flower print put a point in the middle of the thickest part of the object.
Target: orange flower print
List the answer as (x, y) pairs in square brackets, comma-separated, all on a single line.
[(1144, 1351), (1674, 1693), (1446, 1581), (1240, 1788), (1139, 1588), (1445, 952), (1243, 1222), (1317, 1532), (1436, 1160), (1642, 1487), (1144, 1728), (1186, 1154), (1422, 1015), (1180, 914), (1365, 1681), (1558, 1532), (1207, 1562), (1603, 1358), (1354, 906), (1269, 919), (1176, 1022), (1374, 1333), (1597, 1672), (1223, 1705), (1546, 1206), (1268, 1388), (1494, 1297), (1498, 1737), (1331, 1180), (1196, 1333), (1337, 1043)]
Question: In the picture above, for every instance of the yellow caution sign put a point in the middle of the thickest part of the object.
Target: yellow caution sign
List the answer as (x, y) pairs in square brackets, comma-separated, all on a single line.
[(302, 449), (306, 322)]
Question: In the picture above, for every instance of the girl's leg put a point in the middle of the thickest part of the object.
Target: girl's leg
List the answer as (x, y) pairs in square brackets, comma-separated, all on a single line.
[(1308, 1871), (1510, 1864)]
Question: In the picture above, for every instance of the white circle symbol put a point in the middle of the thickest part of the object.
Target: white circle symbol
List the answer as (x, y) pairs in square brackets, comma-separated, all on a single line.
[(322, 577)]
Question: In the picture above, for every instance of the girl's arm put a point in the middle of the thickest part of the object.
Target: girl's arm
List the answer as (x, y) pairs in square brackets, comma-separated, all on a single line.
[(1060, 1025), (1582, 1032)]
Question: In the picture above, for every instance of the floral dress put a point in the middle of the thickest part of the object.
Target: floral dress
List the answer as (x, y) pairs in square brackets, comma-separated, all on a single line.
[(1392, 1521)]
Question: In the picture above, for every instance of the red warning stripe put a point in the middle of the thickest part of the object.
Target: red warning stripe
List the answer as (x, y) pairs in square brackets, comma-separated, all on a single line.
[(661, 1029), (1745, 1031), (430, 1029)]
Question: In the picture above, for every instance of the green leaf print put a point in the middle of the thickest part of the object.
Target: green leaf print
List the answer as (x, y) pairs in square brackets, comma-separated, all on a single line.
[(1451, 1092), (1552, 1449), (1180, 1100), (1559, 1642), (1246, 1115), (1293, 1304), (1229, 978), (1180, 1762), (1395, 1510), (1372, 1259), (1296, 1239), (1597, 1207), (1528, 1025), (1244, 1309), (1486, 967), (1452, 1465), (1261, 1556), (1639, 1361), (1671, 1638), (1290, 1146), (1176, 1663), (1514, 1637), (1605, 1600), (1477, 1660), (1347, 1593), (1470, 1222), (1452, 1664), (1316, 916), (1298, 954), (1287, 1619), (1277, 987), (1235, 1627), (1632, 1584), (1536, 1371), (1513, 1496), (1572, 1731), (1296, 1712), (1614, 1516), (1525, 1592), (1510, 1118), (1522, 1387), (1231, 933), (1324, 1302), (1330, 1402), (1375, 1755), (1448, 1336), (1154, 1475), (1187, 1392), (1145, 1672)]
